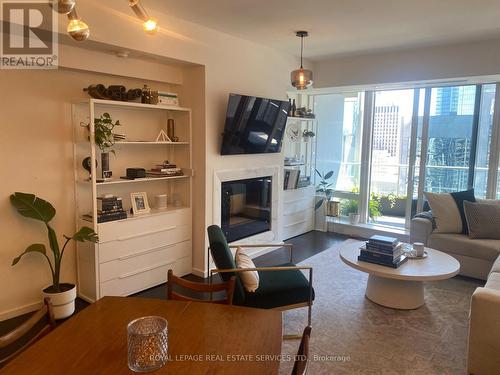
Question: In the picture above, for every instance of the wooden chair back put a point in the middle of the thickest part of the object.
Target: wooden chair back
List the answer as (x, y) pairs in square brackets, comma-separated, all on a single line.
[(18, 337), (228, 286), (300, 365)]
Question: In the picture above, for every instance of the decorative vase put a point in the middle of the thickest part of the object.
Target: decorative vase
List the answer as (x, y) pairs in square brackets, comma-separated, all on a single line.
[(354, 218), (105, 165), (63, 302)]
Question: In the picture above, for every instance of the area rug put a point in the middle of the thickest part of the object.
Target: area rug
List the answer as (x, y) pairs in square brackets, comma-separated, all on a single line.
[(352, 335)]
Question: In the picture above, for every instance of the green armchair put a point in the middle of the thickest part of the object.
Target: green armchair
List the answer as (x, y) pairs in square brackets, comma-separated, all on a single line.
[(281, 287)]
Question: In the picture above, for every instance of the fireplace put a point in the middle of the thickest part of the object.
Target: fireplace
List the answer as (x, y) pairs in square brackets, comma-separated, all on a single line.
[(246, 207)]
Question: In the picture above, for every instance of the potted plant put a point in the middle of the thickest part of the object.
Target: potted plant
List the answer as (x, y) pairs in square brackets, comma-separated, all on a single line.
[(104, 139), (62, 295), (323, 188)]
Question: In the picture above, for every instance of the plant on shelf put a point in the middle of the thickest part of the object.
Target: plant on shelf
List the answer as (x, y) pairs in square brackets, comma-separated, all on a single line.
[(103, 132), (324, 187), (62, 295), (104, 139)]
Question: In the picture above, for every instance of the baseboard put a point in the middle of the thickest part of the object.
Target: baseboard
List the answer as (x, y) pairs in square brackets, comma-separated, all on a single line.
[(200, 273), (9, 314)]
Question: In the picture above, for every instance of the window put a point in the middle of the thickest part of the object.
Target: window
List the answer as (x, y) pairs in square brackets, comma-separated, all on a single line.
[(390, 154), (340, 120), (436, 139)]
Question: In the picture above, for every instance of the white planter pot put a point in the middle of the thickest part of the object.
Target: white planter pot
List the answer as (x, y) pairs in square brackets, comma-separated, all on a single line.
[(320, 223), (63, 303), (354, 218)]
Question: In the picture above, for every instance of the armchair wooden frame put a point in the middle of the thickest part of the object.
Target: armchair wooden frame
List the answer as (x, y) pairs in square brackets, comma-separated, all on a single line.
[(17, 333), (201, 288), (271, 269)]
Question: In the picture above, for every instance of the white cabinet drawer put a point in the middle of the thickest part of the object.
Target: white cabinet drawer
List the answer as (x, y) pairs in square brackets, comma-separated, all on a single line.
[(143, 280), (141, 244), (142, 226), (300, 205), (300, 224), (130, 264)]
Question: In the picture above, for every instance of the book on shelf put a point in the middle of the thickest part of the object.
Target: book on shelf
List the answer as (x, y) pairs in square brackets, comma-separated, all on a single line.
[(291, 178), (107, 203), (112, 216), (393, 264)]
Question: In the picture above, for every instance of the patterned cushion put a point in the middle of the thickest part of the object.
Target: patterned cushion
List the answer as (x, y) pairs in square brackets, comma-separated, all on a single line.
[(460, 197), (483, 220)]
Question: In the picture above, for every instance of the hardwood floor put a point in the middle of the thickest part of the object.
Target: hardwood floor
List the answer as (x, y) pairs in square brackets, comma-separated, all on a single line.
[(305, 246)]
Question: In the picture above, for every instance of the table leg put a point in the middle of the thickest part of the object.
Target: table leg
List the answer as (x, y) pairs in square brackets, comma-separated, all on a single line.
[(397, 294)]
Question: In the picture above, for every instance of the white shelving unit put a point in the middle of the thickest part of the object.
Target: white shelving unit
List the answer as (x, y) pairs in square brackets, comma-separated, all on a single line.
[(135, 253), (298, 204)]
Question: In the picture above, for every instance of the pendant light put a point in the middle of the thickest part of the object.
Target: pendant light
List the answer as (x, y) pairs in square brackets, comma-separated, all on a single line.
[(77, 29), (63, 6), (302, 78), (150, 24)]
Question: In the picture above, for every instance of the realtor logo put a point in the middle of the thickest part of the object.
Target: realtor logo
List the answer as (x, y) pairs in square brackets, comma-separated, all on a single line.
[(29, 35)]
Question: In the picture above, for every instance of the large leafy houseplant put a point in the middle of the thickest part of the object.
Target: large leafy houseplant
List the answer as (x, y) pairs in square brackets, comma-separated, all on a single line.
[(29, 205), (324, 187)]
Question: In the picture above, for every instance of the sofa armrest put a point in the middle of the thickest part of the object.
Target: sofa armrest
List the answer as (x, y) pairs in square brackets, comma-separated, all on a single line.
[(484, 332), (420, 230)]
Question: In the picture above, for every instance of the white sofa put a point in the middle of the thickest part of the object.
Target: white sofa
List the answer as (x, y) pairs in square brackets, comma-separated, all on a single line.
[(476, 256), (484, 327), (479, 259)]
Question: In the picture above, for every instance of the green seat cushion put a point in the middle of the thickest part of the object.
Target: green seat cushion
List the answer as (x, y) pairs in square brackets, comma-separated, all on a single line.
[(278, 288)]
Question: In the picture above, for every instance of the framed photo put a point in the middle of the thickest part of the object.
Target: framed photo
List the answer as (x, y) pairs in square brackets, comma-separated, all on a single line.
[(140, 203)]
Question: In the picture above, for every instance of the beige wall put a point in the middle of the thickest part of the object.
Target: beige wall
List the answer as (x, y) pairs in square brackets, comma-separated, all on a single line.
[(36, 138), (431, 63)]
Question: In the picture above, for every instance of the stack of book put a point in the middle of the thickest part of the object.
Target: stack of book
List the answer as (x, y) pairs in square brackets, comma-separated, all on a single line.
[(164, 170), (386, 251), (110, 208)]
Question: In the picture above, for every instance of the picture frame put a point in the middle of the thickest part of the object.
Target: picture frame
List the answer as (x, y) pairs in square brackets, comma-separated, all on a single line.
[(140, 203)]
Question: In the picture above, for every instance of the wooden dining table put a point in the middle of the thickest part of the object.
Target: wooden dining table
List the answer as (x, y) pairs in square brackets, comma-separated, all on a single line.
[(203, 338)]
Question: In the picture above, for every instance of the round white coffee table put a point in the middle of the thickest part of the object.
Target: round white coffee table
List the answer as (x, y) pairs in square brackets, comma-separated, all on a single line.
[(403, 287)]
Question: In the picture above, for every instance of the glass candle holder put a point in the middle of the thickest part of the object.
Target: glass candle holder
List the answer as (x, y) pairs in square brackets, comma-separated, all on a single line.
[(147, 340)]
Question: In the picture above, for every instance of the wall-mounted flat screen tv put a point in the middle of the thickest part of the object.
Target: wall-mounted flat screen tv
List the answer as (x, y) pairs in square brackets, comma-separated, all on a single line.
[(254, 125)]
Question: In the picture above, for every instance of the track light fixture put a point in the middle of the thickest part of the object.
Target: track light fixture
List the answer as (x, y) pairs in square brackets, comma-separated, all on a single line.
[(77, 29), (63, 6), (150, 24)]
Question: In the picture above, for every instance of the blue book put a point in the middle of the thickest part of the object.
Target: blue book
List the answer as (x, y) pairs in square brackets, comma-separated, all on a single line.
[(383, 240)]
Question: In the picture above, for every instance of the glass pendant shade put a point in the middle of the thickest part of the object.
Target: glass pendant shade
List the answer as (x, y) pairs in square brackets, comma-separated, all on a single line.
[(302, 78), (78, 30), (63, 6)]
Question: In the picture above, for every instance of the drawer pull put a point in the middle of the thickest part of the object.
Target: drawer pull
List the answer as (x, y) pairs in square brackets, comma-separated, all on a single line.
[(125, 275), (147, 251), (146, 233), (297, 222)]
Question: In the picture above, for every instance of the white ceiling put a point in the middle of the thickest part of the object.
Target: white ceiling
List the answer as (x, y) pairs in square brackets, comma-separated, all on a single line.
[(342, 27)]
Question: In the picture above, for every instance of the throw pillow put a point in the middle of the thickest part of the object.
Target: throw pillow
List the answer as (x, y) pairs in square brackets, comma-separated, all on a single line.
[(488, 201), (483, 220), (250, 279), (460, 197), (445, 213)]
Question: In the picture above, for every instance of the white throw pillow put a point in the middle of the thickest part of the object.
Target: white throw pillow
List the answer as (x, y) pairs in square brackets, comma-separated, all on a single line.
[(445, 213), (250, 279)]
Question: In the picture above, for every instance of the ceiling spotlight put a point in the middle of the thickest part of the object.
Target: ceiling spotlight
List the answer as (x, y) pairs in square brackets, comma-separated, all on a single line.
[(150, 24), (63, 6), (302, 78), (77, 29)]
